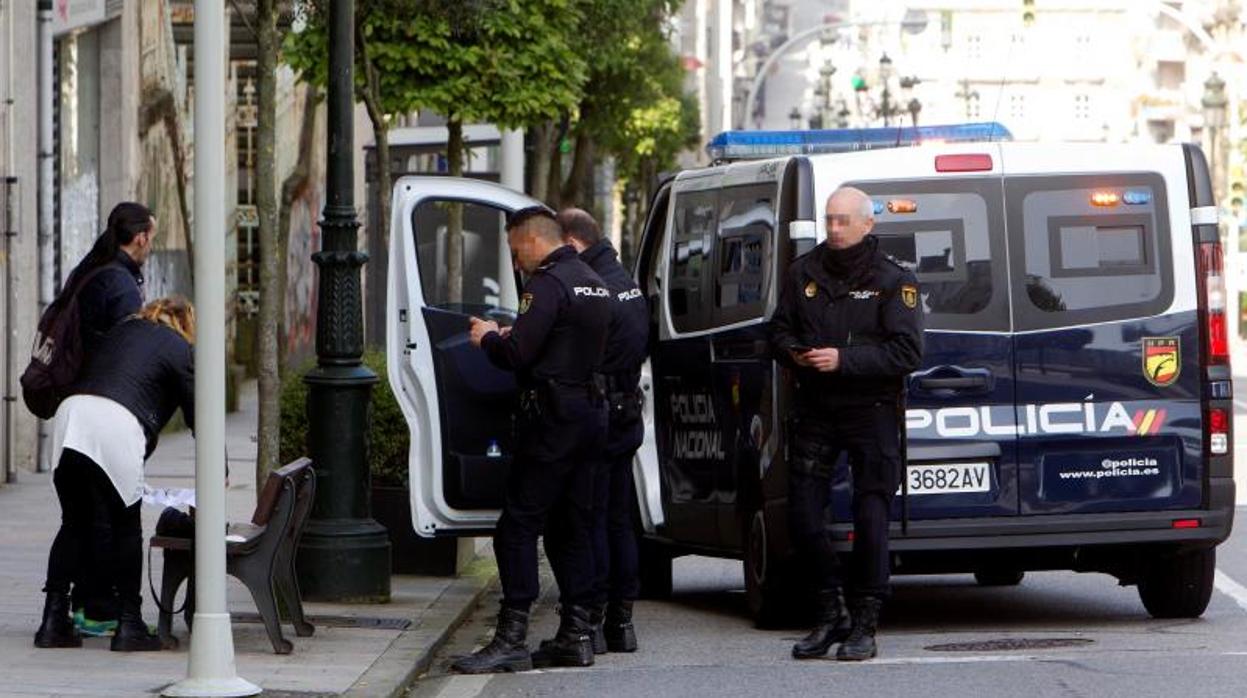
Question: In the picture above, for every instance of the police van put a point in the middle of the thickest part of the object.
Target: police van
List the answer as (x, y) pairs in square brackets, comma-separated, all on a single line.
[(1074, 406)]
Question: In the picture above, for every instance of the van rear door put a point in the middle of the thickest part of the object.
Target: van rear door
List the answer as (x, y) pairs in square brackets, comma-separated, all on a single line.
[(948, 228), (457, 404), (1107, 329)]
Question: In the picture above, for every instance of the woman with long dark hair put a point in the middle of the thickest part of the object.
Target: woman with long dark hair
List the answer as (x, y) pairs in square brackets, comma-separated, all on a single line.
[(115, 292), (141, 373)]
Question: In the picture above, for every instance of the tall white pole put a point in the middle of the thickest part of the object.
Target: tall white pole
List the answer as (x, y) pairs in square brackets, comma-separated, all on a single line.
[(47, 258), (210, 670), (511, 156)]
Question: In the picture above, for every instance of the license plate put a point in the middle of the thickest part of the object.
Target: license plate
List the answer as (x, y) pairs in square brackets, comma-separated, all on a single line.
[(949, 478)]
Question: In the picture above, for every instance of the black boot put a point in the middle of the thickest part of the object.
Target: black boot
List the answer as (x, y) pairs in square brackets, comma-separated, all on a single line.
[(506, 652), (57, 629), (620, 635), (132, 634), (860, 645), (834, 624), (572, 645), (597, 616)]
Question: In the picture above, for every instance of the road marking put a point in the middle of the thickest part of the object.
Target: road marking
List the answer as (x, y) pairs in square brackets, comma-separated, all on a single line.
[(465, 686), (1230, 588)]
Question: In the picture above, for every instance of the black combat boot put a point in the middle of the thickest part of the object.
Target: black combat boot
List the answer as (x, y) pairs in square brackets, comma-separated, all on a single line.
[(57, 629), (132, 634), (620, 635), (572, 645), (833, 626), (860, 645), (597, 615), (506, 652)]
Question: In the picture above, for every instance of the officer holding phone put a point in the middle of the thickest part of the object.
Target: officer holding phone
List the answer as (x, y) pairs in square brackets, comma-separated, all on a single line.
[(849, 325)]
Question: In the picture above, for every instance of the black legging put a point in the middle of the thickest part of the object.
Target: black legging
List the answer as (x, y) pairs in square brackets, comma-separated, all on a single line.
[(100, 542)]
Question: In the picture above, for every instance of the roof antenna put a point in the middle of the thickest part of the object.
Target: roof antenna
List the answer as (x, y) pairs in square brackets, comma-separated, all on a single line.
[(1000, 91)]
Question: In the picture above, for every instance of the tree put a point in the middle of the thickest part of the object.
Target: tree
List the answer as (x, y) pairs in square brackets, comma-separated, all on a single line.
[(507, 62)]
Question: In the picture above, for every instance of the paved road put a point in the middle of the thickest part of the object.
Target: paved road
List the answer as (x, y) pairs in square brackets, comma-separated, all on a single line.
[(701, 642)]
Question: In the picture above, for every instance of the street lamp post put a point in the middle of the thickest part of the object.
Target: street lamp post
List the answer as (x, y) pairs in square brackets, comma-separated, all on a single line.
[(885, 76), (794, 119), (344, 554), (1215, 105)]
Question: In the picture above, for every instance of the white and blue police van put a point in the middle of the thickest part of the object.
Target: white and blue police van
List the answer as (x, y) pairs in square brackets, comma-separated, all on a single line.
[(1073, 410)]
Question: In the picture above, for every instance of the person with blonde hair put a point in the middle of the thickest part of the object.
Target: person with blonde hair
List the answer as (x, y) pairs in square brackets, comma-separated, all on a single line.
[(141, 371)]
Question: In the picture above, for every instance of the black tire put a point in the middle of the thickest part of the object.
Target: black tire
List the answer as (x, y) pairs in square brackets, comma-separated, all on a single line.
[(999, 577), (654, 561), (1179, 586), (771, 588)]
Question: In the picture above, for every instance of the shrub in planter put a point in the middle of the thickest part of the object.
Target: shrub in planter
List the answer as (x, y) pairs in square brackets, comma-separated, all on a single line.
[(389, 442)]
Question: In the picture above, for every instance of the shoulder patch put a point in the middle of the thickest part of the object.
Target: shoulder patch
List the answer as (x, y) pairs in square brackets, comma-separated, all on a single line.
[(526, 302), (909, 295)]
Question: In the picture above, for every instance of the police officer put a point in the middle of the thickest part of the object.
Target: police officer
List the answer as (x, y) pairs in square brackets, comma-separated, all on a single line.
[(849, 323), (616, 581), (554, 348)]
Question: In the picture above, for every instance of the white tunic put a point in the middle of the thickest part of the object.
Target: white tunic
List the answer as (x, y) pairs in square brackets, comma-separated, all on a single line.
[(107, 433)]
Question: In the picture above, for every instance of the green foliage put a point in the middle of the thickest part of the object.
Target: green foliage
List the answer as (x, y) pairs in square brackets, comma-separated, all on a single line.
[(508, 62), (634, 105), (389, 440)]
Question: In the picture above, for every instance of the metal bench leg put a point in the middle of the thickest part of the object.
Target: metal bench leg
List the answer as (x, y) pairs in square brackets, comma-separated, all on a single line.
[(176, 569), (258, 578), (287, 585)]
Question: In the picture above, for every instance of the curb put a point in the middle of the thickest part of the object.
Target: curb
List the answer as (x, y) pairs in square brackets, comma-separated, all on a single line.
[(411, 653)]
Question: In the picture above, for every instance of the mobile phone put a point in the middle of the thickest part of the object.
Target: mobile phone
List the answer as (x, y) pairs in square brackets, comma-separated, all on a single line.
[(800, 348)]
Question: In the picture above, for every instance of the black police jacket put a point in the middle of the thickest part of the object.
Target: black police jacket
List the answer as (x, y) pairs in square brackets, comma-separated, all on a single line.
[(627, 340), (876, 323), (109, 297), (147, 368), (560, 331)]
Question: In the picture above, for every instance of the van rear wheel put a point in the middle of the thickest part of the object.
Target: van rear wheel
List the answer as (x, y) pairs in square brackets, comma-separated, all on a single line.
[(1179, 586), (771, 587), (654, 563)]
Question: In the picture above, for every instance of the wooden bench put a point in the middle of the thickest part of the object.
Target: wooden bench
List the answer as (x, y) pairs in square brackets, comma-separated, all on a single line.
[(263, 559)]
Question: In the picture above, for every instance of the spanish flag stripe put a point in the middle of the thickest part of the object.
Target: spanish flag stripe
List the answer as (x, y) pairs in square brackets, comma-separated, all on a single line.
[(1159, 421), (1146, 426)]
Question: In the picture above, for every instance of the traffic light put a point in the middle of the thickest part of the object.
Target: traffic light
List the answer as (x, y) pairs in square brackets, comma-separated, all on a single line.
[(1028, 12)]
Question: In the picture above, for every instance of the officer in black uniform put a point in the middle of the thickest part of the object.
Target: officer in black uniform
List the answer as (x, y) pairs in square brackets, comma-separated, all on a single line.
[(554, 347), (616, 581), (849, 323)]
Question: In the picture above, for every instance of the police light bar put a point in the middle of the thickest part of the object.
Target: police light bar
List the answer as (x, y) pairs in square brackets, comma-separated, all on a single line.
[(753, 145)]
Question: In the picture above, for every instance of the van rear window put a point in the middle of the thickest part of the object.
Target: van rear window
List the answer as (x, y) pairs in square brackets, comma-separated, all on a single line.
[(948, 232), (1088, 248)]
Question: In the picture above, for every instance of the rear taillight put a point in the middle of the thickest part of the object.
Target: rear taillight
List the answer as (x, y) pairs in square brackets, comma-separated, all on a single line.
[(1218, 423), (1216, 341), (1185, 523)]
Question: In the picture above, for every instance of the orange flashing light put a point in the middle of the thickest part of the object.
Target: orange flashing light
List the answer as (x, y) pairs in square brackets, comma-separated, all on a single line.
[(902, 206), (1105, 198)]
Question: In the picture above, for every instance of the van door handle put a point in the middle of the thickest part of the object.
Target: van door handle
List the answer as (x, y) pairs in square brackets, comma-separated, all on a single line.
[(958, 383)]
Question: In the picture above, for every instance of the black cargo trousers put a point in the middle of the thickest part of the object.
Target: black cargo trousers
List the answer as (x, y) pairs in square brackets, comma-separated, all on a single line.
[(870, 435), (557, 438)]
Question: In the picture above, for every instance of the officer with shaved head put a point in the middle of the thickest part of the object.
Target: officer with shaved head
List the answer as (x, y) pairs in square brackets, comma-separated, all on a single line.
[(555, 349), (849, 326)]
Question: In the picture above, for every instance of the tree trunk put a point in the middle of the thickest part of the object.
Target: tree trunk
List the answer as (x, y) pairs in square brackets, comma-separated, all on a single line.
[(580, 180), (371, 95), (454, 217), (543, 135), (554, 184), (269, 428)]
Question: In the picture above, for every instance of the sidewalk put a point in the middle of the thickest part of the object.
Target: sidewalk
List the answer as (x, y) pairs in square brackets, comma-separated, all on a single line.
[(356, 651)]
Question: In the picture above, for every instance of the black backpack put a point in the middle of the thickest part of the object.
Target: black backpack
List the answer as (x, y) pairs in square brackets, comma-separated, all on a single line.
[(57, 355)]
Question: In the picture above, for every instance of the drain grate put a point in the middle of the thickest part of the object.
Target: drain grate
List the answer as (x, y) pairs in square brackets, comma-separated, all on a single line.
[(362, 622), (1011, 644)]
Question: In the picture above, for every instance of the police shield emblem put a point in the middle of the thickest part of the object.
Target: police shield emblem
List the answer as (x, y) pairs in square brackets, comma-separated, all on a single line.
[(1162, 360), (811, 290), (526, 302), (909, 295)]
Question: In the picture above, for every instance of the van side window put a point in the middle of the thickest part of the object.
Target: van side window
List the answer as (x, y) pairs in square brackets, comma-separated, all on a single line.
[(694, 225), (1089, 248), (950, 233), (746, 234), (486, 259)]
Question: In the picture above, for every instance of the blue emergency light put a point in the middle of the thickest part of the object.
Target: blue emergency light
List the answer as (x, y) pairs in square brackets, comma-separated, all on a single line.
[(753, 145)]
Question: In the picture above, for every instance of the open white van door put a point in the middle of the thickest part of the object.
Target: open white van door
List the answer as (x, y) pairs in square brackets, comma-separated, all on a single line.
[(457, 404)]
